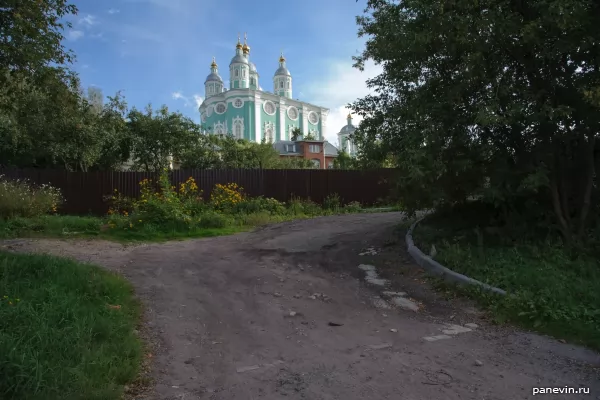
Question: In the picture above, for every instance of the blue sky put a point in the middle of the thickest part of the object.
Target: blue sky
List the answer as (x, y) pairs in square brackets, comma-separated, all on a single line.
[(159, 51)]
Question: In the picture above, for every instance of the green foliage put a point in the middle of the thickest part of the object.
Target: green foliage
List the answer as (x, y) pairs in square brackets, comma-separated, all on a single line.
[(159, 135), (20, 198), (353, 207), (226, 197), (296, 134), (332, 202), (464, 107), (59, 336), (252, 205), (551, 289), (35, 30)]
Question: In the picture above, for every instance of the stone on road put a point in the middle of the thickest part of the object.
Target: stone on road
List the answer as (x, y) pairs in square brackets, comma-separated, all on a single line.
[(207, 291)]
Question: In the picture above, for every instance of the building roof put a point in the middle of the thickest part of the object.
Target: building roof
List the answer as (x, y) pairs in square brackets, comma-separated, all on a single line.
[(281, 147), (213, 77), (282, 71)]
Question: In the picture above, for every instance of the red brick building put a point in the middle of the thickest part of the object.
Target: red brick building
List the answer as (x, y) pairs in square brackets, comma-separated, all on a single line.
[(320, 152)]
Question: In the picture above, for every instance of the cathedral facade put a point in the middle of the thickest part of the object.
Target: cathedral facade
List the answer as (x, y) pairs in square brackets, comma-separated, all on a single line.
[(246, 111)]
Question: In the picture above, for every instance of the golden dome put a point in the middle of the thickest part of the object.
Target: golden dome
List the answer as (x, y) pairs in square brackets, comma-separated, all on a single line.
[(239, 44), (214, 63), (349, 116), (281, 57), (245, 47)]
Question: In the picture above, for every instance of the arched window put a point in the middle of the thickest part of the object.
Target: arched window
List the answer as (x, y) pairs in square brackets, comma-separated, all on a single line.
[(281, 84), (252, 81), (238, 131), (244, 73), (237, 72), (288, 85), (269, 135)]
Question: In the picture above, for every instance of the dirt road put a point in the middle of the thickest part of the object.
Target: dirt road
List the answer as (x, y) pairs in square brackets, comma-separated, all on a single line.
[(285, 312)]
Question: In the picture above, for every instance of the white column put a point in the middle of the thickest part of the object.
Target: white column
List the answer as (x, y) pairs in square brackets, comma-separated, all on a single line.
[(304, 121), (324, 114), (281, 118), (257, 105)]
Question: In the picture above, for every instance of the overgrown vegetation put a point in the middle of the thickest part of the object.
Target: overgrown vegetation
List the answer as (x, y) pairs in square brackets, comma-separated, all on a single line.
[(163, 211), (551, 288), (491, 111), (67, 330)]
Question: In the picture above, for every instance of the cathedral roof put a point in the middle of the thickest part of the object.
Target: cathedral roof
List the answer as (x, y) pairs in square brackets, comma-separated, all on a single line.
[(252, 67), (213, 77), (347, 129), (282, 71), (238, 58)]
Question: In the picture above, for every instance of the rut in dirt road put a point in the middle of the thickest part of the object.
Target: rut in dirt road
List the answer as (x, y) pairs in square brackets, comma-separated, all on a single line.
[(285, 312)]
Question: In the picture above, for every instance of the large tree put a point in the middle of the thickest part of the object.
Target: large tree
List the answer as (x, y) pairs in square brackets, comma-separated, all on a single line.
[(31, 34), (490, 97)]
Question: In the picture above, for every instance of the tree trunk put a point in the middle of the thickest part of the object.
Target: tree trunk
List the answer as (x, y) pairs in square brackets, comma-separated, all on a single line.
[(558, 210), (589, 184)]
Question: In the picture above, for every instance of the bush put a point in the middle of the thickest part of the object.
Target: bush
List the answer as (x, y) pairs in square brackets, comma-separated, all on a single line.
[(213, 220), (260, 204), (226, 197), (19, 198), (353, 207), (332, 202)]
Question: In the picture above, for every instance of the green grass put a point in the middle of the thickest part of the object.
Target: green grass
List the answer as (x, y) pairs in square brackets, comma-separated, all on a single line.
[(552, 290), (68, 226), (59, 339)]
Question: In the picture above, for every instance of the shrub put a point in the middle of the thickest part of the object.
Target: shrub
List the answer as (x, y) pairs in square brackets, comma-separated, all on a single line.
[(298, 206), (257, 219), (353, 207), (332, 202), (226, 197), (19, 198), (213, 220), (260, 204)]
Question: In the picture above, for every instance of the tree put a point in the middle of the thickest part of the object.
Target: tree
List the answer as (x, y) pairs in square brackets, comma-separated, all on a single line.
[(31, 34), (47, 123), (487, 98), (158, 136), (343, 161), (296, 134)]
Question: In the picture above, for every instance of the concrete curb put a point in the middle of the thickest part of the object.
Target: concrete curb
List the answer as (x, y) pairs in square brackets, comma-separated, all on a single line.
[(436, 268)]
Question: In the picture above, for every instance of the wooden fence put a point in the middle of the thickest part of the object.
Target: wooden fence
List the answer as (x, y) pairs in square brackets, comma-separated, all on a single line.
[(85, 191)]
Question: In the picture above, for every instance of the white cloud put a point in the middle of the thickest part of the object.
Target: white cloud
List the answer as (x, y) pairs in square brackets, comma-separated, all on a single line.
[(177, 95), (75, 34), (338, 87), (194, 101), (198, 100), (113, 11), (88, 20)]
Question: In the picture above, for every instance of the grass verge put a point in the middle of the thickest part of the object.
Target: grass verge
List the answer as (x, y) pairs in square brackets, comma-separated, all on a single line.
[(66, 330), (551, 290), (65, 226)]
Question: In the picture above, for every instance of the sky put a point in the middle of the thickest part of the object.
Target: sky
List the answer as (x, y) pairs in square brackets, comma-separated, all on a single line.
[(159, 51)]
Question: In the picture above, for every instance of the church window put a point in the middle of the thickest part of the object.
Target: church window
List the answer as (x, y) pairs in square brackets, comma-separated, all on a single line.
[(252, 81), (238, 103), (221, 108), (244, 73), (288, 85), (269, 108), (293, 113), (281, 84), (237, 72), (238, 131), (269, 135), (313, 118)]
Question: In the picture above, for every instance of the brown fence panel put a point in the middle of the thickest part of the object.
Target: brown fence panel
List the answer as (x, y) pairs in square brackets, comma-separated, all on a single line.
[(85, 191)]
